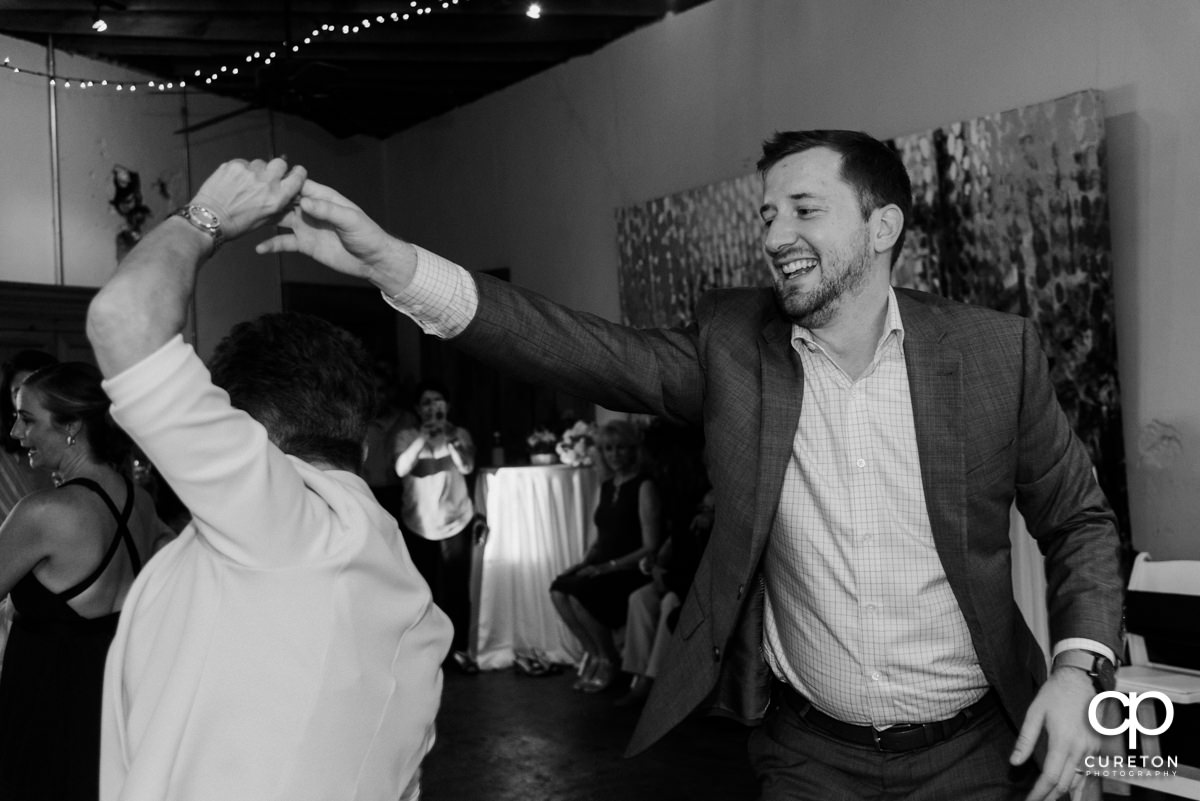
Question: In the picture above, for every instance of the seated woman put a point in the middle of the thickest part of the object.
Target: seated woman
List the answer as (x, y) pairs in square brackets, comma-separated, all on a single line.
[(68, 556), (653, 608), (591, 597)]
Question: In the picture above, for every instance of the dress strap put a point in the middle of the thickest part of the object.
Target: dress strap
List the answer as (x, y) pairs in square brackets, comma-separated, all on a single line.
[(122, 534)]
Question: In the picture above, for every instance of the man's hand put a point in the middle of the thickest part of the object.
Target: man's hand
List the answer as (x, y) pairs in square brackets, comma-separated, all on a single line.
[(146, 301), (247, 194), (330, 229), (1060, 708)]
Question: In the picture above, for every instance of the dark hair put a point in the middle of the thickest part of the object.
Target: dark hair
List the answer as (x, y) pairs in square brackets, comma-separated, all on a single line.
[(429, 385), (306, 380), (71, 392), (870, 166), (23, 361)]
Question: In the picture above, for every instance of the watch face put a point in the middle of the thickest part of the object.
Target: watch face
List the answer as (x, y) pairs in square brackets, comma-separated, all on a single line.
[(203, 217)]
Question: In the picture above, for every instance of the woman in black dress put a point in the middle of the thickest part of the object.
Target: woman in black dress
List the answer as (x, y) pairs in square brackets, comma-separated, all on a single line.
[(591, 597), (68, 557)]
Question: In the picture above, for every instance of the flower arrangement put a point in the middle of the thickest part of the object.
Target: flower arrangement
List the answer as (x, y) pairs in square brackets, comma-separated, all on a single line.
[(577, 448)]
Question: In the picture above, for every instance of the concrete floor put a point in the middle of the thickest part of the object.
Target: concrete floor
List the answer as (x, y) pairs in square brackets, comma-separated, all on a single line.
[(507, 737)]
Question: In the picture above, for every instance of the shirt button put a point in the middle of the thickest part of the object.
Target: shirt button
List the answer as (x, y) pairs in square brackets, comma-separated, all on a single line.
[(871, 608), (741, 589), (716, 654), (861, 463), (876, 676)]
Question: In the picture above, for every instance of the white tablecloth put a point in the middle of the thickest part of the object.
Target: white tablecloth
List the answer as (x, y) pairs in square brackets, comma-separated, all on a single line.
[(541, 524)]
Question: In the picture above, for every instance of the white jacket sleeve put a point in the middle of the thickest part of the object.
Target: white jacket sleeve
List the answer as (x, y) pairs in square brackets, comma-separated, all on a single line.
[(247, 498)]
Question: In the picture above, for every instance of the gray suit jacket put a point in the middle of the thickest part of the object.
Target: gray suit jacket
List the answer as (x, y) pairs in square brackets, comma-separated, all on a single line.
[(989, 429)]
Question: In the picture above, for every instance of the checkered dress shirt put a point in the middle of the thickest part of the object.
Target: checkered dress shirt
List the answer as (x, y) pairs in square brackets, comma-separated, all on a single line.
[(860, 617)]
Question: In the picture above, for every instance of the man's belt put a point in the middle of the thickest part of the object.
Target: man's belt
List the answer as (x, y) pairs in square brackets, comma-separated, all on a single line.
[(894, 739)]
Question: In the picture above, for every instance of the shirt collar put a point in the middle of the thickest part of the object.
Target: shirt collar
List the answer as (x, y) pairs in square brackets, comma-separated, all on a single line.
[(803, 338)]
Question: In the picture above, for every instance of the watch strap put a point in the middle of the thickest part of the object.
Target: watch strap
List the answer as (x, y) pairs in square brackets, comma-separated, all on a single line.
[(1098, 667)]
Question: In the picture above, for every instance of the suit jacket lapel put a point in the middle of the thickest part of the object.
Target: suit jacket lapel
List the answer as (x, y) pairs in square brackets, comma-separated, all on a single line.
[(782, 391), (935, 386)]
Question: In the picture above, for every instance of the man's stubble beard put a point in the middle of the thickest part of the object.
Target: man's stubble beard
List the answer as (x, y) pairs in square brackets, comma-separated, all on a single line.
[(815, 308)]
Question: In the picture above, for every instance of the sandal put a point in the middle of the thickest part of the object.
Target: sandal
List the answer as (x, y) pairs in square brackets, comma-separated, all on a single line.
[(587, 670), (464, 662), (603, 677), (535, 665), (528, 667)]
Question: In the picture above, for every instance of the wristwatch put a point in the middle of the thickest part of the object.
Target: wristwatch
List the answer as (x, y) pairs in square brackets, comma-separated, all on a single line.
[(205, 219), (1099, 667)]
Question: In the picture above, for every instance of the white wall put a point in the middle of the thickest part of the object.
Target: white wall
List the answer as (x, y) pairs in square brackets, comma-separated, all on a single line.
[(529, 178), (98, 128), (26, 239)]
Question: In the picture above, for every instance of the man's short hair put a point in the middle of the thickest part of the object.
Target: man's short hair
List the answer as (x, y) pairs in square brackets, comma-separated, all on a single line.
[(871, 167), (306, 380)]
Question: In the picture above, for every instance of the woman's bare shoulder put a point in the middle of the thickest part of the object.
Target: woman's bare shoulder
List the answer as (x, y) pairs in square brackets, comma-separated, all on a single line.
[(53, 513)]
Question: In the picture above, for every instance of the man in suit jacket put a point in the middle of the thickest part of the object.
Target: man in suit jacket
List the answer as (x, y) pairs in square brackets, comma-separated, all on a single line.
[(865, 446)]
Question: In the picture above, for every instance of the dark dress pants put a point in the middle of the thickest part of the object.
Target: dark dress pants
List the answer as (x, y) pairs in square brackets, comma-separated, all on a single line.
[(794, 761)]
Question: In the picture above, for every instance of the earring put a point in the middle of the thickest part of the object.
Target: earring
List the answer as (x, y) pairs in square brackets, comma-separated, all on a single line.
[(70, 440)]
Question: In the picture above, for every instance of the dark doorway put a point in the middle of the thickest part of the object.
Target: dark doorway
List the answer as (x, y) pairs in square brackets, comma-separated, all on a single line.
[(488, 402), (358, 309), (45, 317), (485, 401)]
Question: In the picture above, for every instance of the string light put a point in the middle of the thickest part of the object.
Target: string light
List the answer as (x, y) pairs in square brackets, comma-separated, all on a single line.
[(346, 30), (167, 87), (71, 82)]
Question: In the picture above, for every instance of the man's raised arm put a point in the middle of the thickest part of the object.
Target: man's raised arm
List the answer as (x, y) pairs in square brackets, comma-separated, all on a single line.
[(332, 230), (145, 303)]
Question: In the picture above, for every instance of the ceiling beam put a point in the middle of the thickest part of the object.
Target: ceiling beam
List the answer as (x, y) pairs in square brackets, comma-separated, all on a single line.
[(265, 30), (205, 53), (346, 8)]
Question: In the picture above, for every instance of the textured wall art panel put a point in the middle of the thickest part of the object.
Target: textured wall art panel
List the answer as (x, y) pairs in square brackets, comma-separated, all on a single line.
[(1010, 211), (676, 248)]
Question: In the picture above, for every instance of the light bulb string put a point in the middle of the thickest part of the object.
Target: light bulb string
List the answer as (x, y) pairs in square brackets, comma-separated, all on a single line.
[(266, 56), (68, 82)]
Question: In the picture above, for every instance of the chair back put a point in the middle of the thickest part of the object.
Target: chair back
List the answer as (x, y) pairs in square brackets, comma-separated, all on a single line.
[(1162, 614)]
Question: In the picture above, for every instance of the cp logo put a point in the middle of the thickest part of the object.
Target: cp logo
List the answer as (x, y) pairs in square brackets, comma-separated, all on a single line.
[(1131, 723)]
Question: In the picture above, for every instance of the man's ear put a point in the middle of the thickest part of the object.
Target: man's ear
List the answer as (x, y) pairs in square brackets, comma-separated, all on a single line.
[(887, 223)]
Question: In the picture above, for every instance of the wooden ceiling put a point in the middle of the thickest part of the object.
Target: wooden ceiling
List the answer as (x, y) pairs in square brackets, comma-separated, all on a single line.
[(376, 82)]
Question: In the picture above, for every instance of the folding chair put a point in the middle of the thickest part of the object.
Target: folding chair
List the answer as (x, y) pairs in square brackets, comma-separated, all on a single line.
[(1162, 621)]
